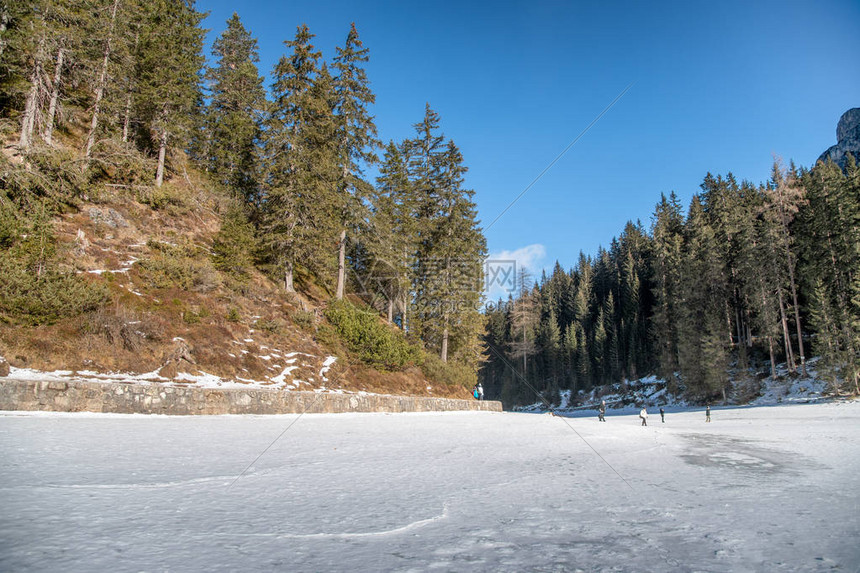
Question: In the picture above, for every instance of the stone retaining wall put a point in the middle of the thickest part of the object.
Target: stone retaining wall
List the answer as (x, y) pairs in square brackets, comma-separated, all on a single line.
[(80, 396)]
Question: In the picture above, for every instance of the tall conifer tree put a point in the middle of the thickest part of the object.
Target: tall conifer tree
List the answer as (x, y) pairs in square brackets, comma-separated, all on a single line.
[(356, 139), (168, 70), (235, 112), (300, 202)]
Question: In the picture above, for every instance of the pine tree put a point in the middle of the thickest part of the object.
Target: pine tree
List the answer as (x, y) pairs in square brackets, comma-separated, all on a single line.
[(356, 137), (583, 323), (667, 232), (703, 348), (40, 34), (300, 203), (784, 198), (451, 246), (829, 245), (234, 245), (115, 25), (524, 320), (454, 254), (392, 237), (235, 112), (168, 69)]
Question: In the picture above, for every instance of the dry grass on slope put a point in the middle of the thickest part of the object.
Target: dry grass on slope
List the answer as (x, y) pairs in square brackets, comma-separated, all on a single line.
[(171, 313)]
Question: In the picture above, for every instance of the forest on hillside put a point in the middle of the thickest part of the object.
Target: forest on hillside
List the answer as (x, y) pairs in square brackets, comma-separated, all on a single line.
[(112, 96), (116, 96), (747, 277)]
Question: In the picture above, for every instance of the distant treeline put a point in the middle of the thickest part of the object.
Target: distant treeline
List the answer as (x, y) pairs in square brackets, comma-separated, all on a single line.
[(750, 276), (116, 94)]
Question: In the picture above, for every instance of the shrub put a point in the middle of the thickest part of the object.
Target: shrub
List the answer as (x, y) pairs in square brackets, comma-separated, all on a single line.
[(303, 319), (166, 197), (122, 327), (178, 266), (190, 317), (450, 373), (120, 164), (34, 287), (27, 297), (10, 224), (235, 244), (51, 176), (369, 339), (270, 326)]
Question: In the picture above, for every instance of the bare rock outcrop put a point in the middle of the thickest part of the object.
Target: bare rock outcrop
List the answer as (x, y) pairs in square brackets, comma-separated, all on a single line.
[(847, 139)]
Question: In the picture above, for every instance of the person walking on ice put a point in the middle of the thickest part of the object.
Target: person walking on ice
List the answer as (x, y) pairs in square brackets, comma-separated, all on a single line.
[(708, 413), (644, 415), (662, 416), (601, 411)]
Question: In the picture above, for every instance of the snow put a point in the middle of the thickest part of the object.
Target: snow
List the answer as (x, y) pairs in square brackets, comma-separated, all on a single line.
[(199, 378), (759, 489), (327, 366), (281, 378), (630, 395)]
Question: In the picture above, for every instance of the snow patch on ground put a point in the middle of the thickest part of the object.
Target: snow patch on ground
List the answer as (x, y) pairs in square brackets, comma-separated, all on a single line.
[(283, 380), (327, 366), (652, 392)]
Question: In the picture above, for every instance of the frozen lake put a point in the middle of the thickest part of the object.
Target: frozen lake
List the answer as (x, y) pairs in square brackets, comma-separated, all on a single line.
[(758, 489)]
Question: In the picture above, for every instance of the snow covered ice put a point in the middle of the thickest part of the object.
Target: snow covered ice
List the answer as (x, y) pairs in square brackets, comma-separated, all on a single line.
[(758, 489)]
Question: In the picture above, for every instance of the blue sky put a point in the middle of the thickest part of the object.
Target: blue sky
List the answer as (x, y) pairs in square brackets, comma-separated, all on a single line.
[(716, 86)]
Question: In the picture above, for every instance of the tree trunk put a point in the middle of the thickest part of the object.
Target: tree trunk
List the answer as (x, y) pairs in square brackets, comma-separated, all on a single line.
[(790, 263), (789, 353), (126, 123), (729, 323), (772, 358), (799, 329), (341, 263), (288, 277), (55, 96), (525, 359), (4, 21), (769, 338), (390, 310), (28, 120), (100, 86), (739, 327), (444, 354), (162, 149)]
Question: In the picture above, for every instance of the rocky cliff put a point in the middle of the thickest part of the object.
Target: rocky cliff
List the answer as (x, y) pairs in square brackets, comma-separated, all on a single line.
[(847, 139)]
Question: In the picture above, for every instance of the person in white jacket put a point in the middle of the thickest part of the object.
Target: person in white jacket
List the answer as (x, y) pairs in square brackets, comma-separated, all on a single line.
[(644, 415)]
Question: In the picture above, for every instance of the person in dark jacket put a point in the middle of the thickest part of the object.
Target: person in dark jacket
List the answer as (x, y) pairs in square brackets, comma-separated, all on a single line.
[(708, 413), (662, 415), (601, 411)]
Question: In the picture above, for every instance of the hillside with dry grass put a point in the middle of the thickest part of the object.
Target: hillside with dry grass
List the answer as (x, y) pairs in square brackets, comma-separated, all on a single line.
[(166, 313)]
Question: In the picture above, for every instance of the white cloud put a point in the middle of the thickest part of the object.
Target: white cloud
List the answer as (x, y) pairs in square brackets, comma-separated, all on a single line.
[(503, 268), (531, 256)]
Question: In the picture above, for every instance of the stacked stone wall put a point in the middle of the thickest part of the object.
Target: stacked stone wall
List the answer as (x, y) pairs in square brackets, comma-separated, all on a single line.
[(80, 396)]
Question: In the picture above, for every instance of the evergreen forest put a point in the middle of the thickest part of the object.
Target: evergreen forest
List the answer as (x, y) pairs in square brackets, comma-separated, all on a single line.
[(709, 299), (113, 97)]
